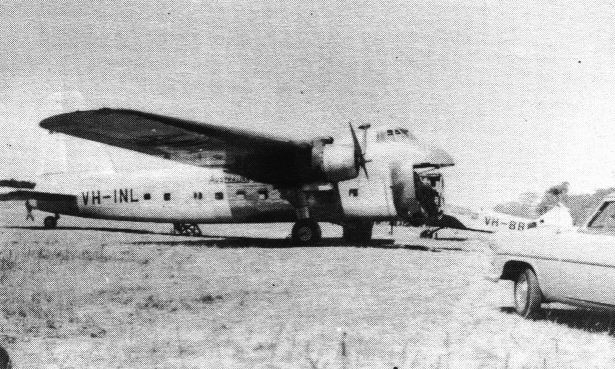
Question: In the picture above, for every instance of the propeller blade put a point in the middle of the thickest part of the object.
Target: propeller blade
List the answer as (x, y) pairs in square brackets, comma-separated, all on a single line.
[(359, 157)]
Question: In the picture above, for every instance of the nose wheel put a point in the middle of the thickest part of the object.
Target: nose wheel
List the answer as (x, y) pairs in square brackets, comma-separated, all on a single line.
[(306, 232)]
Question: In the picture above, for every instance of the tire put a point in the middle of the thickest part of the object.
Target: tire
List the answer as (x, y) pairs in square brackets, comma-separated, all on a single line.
[(5, 359), (358, 232), (306, 232), (527, 294), (50, 222)]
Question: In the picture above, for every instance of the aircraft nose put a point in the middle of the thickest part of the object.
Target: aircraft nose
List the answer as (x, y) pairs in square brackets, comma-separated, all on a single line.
[(435, 157)]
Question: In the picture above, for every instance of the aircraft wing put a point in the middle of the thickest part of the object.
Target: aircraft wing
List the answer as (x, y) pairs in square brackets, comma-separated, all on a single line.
[(259, 157), (35, 195)]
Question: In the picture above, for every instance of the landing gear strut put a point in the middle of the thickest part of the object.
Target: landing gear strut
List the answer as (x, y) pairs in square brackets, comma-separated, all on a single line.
[(51, 222), (358, 232), (186, 229), (306, 232)]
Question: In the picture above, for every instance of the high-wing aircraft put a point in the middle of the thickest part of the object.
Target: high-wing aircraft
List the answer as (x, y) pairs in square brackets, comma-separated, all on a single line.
[(238, 176), (487, 221)]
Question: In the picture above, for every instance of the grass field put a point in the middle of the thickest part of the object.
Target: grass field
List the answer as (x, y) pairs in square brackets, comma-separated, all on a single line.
[(126, 295)]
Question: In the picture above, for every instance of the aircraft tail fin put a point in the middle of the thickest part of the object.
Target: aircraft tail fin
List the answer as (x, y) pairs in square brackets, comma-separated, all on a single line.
[(61, 154), (558, 216)]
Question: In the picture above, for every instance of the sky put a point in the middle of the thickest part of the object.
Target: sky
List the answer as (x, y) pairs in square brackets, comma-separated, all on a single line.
[(521, 94)]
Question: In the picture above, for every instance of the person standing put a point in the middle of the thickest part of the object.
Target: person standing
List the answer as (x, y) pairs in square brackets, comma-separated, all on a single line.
[(29, 208)]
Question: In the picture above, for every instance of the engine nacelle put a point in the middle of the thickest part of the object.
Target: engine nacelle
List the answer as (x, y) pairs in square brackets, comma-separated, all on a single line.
[(335, 162)]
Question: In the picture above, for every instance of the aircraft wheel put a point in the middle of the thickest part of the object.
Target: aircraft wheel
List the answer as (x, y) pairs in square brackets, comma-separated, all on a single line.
[(306, 232), (527, 294), (50, 222), (360, 232)]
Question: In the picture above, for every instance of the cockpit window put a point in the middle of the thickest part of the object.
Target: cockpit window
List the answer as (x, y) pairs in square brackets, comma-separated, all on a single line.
[(605, 218), (397, 134)]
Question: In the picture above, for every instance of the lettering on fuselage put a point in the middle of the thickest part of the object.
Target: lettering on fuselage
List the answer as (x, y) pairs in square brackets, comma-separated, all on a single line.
[(95, 198), (512, 225), (229, 179), (122, 195)]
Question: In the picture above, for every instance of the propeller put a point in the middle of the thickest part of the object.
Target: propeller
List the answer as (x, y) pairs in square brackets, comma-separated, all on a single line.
[(359, 155)]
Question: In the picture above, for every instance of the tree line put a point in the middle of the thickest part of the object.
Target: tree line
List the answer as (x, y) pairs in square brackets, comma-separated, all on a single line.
[(532, 205)]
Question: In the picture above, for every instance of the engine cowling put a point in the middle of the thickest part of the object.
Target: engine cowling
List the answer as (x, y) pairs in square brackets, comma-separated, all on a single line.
[(334, 162)]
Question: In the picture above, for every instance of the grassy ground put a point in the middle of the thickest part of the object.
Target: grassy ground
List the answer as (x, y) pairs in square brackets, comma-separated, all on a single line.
[(130, 296)]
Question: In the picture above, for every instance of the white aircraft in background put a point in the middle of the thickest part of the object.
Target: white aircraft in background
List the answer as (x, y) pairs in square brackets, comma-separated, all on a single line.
[(489, 221), (236, 176)]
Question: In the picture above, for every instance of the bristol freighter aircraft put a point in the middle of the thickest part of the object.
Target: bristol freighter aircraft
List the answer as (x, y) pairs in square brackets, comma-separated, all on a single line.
[(238, 176)]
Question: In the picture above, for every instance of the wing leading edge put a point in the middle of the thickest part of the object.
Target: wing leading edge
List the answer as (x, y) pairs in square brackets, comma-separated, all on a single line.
[(259, 157)]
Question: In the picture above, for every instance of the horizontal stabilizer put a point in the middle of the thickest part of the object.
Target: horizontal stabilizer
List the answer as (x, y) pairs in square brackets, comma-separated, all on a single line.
[(35, 195)]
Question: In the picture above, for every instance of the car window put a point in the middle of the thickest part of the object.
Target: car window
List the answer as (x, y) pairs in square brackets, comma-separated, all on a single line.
[(604, 218)]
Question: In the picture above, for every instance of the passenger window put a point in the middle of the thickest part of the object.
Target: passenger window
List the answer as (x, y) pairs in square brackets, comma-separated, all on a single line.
[(263, 194), (219, 196), (167, 196), (353, 192), (147, 196), (241, 194)]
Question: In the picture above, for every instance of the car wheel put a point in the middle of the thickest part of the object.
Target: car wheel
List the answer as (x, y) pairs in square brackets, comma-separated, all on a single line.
[(527, 294)]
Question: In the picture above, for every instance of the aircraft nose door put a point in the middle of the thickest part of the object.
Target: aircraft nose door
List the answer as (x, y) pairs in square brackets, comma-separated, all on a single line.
[(428, 196), (403, 190)]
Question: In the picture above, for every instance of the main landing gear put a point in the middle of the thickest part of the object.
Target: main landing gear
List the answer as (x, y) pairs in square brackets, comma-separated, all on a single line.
[(358, 232), (306, 232), (186, 229), (51, 222)]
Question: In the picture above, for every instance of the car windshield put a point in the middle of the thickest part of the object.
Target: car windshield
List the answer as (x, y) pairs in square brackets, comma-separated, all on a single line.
[(605, 218)]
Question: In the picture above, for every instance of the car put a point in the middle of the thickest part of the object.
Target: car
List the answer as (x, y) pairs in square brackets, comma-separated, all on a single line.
[(575, 266)]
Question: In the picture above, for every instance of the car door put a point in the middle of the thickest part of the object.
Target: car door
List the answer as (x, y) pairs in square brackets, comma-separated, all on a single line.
[(587, 260)]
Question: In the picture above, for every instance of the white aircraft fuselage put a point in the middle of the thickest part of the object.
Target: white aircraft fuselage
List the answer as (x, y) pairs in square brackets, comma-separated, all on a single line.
[(492, 221), (190, 194)]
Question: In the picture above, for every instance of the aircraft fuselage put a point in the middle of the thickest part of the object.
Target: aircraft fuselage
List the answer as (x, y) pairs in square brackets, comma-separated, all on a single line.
[(385, 190), (202, 195)]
